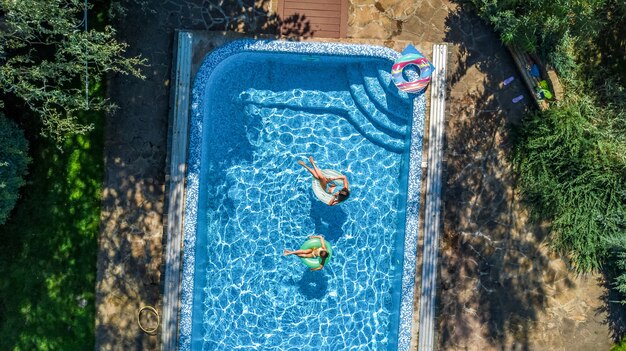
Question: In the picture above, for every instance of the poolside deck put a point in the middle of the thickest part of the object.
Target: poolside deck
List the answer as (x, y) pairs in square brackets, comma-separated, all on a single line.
[(176, 195), (322, 18)]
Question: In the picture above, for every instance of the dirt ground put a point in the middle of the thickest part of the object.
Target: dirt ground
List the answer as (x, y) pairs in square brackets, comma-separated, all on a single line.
[(500, 288)]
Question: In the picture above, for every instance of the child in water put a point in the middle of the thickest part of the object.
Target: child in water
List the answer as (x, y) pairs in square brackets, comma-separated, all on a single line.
[(321, 252), (328, 184)]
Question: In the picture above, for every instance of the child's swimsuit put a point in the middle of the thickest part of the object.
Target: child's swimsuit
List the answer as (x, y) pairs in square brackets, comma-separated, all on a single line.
[(328, 186), (316, 251)]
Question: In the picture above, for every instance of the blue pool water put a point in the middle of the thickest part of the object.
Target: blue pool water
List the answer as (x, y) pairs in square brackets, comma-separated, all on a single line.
[(264, 112)]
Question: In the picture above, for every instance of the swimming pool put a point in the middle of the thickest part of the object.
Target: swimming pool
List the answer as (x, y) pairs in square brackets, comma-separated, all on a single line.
[(258, 107)]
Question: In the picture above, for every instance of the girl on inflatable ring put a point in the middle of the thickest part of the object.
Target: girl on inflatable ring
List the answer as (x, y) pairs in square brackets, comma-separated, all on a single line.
[(328, 184), (321, 252)]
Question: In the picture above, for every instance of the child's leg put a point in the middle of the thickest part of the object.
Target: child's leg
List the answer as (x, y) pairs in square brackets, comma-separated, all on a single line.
[(313, 173), (300, 253), (318, 171)]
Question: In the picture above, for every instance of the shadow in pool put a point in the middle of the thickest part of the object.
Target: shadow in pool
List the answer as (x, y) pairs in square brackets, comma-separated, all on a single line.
[(313, 285), (328, 220)]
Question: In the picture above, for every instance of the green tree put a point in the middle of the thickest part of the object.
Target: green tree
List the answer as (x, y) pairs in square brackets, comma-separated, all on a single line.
[(538, 24), (44, 54), (617, 252), (13, 165)]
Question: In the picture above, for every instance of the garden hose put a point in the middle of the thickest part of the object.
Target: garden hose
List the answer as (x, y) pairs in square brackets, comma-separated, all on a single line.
[(151, 331)]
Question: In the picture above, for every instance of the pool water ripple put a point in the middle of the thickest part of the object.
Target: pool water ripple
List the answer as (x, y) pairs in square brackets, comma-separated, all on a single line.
[(259, 202), (260, 291)]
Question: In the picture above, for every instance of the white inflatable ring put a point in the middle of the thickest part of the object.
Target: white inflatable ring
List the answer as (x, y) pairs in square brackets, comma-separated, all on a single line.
[(322, 194)]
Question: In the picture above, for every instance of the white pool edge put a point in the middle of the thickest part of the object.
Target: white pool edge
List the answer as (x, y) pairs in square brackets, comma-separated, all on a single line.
[(432, 211), (177, 160)]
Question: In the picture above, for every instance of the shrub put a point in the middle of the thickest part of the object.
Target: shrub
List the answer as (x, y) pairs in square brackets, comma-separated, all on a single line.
[(571, 160), (538, 25), (571, 165), (621, 346), (13, 165)]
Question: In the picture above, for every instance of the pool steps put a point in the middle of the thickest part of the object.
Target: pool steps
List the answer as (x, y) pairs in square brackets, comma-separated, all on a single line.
[(373, 118), (369, 109), (384, 79), (376, 138), (326, 104), (397, 109)]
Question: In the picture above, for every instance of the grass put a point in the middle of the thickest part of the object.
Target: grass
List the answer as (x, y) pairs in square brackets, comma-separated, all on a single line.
[(621, 346), (49, 245)]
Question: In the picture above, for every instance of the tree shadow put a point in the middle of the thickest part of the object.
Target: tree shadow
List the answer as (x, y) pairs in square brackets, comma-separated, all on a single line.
[(251, 17), (612, 44), (612, 310), (496, 276)]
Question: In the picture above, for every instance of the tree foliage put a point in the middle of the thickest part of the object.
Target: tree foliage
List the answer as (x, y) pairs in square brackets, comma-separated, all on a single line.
[(571, 159), (43, 56), (562, 31), (534, 24), (617, 252), (13, 165)]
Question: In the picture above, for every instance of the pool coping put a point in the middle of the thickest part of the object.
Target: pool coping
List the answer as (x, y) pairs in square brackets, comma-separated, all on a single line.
[(432, 200), (177, 331)]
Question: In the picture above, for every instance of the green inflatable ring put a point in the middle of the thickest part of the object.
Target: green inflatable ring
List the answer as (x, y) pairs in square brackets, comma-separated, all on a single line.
[(315, 262)]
